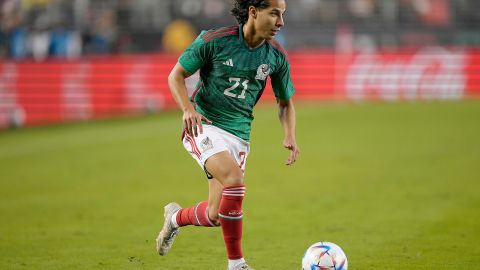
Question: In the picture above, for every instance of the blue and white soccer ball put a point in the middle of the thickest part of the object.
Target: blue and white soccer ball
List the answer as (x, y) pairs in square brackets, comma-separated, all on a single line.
[(324, 256)]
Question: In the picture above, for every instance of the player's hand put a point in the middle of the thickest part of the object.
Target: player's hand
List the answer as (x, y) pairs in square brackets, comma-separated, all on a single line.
[(291, 145), (192, 122)]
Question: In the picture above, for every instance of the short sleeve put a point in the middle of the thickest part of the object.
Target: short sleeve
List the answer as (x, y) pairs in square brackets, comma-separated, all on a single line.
[(281, 82), (194, 57)]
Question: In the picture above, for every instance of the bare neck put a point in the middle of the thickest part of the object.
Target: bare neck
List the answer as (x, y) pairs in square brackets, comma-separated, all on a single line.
[(251, 37)]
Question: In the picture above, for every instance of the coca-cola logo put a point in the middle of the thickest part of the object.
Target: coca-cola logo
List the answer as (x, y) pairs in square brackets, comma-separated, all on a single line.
[(431, 73)]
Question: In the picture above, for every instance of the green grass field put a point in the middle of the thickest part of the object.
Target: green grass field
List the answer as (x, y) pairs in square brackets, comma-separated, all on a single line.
[(396, 185)]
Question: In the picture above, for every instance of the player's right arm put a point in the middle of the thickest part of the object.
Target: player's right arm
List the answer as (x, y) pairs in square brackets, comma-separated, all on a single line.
[(191, 60), (192, 120)]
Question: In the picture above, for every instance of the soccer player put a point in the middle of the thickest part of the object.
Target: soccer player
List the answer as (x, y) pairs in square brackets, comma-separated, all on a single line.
[(234, 64)]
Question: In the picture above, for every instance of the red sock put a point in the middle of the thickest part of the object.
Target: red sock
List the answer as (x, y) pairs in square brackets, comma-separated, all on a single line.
[(231, 214), (196, 215)]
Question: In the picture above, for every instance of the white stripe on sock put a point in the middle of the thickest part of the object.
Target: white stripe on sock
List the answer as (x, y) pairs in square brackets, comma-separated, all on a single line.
[(195, 213), (240, 188), (229, 217), (174, 220), (232, 192)]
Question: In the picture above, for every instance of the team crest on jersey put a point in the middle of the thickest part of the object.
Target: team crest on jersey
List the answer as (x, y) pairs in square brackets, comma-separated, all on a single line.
[(262, 72), (206, 144)]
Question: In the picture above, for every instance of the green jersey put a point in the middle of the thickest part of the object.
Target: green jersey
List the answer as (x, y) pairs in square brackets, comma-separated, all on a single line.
[(233, 77)]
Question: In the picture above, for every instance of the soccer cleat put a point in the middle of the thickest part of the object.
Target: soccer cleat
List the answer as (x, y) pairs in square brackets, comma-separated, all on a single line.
[(169, 232), (242, 266)]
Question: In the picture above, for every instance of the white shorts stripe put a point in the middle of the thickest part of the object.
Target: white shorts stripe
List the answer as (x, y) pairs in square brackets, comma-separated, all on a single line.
[(214, 140)]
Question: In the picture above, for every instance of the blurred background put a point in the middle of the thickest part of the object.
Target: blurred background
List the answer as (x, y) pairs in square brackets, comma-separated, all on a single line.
[(64, 59), (73, 28)]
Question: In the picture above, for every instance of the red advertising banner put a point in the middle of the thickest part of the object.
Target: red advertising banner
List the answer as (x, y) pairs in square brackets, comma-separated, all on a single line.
[(57, 91), (426, 74)]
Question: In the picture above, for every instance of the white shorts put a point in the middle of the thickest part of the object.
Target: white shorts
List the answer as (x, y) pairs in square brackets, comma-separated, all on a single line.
[(214, 140)]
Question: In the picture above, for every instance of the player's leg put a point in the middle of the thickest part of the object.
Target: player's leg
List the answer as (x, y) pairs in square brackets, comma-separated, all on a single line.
[(198, 214), (202, 214), (215, 189), (226, 170), (225, 192)]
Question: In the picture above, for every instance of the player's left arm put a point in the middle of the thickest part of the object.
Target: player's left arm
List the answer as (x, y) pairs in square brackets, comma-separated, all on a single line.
[(286, 114)]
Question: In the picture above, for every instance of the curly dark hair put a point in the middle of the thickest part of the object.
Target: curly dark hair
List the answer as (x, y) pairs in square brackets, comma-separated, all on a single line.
[(240, 8)]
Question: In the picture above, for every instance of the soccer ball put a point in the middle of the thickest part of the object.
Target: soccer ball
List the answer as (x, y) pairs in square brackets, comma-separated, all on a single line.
[(324, 256)]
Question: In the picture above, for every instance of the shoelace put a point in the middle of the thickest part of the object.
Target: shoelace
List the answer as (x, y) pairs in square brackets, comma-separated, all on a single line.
[(171, 236)]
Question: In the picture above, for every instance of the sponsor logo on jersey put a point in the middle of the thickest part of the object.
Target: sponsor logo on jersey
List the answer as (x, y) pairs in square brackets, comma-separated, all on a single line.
[(229, 62), (206, 144), (262, 72)]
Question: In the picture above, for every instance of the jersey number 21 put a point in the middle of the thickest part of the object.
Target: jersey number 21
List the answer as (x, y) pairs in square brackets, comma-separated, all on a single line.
[(236, 81)]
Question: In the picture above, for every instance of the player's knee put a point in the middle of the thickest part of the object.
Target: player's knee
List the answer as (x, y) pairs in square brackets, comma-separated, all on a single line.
[(234, 178)]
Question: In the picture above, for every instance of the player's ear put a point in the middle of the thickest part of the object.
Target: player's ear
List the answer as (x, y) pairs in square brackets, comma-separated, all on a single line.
[(252, 12)]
